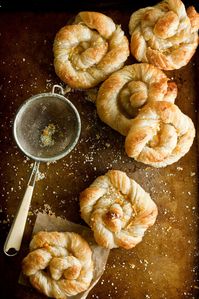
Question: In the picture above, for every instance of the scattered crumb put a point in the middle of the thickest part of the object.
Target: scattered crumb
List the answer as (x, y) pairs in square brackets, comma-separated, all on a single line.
[(131, 265), (45, 210), (51, 162), (67, 89), (91, 95), (40, 176), (97, 136)]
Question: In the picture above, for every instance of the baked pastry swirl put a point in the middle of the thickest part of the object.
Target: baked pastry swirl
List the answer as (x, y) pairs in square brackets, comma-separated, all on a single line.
[(59, 264), (88, 51), (164, 35), (122, 95), (160, 135), (117, 209)]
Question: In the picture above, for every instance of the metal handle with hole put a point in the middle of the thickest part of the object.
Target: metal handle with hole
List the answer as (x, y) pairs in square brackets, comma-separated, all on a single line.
[(58, 87), (15, 235)]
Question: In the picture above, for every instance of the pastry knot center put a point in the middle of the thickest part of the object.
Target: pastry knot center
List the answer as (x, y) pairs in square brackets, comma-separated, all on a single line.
[(68, 267), (133, 96), (112, 215), (89, 52), (113, 218)]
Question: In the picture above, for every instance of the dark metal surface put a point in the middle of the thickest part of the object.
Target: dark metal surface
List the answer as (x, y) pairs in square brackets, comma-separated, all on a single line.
[(58, 5), (165, 264)]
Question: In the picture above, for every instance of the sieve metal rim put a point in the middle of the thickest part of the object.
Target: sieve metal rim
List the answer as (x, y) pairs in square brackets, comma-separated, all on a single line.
[(64, 152)]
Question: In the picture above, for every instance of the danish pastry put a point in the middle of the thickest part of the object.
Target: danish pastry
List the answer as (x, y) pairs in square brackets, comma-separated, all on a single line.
[(88, 51), (122, 95), (160, 135), (164, 35), (117, 209), (59, 264)]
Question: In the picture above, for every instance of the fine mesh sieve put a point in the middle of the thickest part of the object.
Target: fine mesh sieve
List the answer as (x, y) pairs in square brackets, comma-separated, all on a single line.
[(46, 128), (36, 115)]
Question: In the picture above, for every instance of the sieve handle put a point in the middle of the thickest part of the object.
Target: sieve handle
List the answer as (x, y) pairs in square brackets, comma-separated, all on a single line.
[(58, 87), (15, 235)]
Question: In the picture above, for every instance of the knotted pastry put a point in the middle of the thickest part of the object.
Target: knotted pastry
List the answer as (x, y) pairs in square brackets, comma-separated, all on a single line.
[(59, 264), (122, 95), (117, 209), (88, 51), (160, 135), (164, 35)]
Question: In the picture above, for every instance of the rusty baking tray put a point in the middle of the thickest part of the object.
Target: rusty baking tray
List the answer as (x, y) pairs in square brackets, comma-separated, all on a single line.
[(165, 263)]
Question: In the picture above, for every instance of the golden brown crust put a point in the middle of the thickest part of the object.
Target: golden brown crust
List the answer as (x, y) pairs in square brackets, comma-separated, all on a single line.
[(88, 51), (98, 21), (164, 35), (68, 258), (118, 210), (160, 135), (194, 17), (122, 95)]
